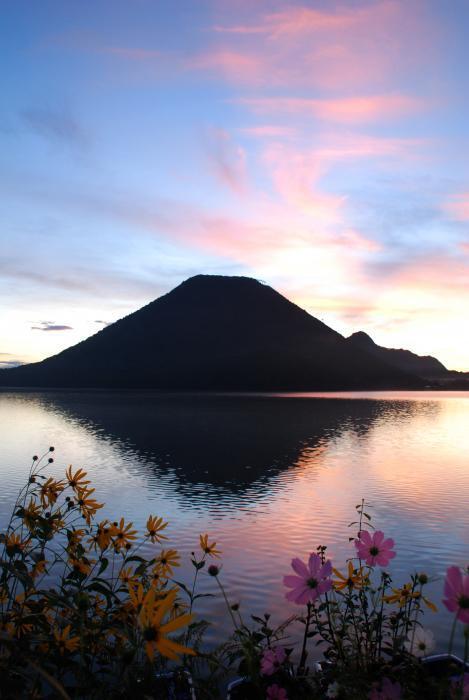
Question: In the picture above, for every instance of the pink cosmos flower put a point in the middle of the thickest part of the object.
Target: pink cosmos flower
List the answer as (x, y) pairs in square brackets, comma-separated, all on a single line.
[(374, 549), (312, 580), (272, 659), (387, 691), (457, 593), (275, 692)]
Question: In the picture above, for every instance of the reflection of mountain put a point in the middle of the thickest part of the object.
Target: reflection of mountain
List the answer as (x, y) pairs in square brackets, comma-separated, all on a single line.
[(221, 443)]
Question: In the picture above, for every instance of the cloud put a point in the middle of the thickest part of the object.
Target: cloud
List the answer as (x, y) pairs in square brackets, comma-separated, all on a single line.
[(50, 326), (342, 47), (55, 125), (227, 160), (456, 206), (9, 364), (349, 110), (104, 323)]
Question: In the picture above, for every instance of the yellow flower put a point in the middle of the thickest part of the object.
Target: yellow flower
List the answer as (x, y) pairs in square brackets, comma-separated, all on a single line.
[(208, 548), (14, 544), (137, 596), (38, 568), (353, 579), (122, 534), (102, 536), (75, 537), (50, 491), (88, 506), (76, 481), (127, 576), (64, 641), (402, 595), (154, 631), (154, 527), (81, 566), (158, 577), (431, 606), (31, 514), (168, 559)]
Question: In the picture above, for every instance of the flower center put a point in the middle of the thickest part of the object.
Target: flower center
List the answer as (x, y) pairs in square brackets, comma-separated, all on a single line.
[(150, 634), (374, 551), (312, 583), (463, 602)]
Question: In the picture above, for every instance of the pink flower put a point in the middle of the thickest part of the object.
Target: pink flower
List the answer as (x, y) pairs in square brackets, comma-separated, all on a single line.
[(374, 550), (275, 692), (457, 593), (387, 691), (312, 580), (272, 659)]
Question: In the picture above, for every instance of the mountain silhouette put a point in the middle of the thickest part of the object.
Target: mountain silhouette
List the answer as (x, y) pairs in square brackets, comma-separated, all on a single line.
[(215, 333), (422, 365)]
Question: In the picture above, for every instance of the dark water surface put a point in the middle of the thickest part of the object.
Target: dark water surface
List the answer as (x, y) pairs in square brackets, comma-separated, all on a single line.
[(269, 476)]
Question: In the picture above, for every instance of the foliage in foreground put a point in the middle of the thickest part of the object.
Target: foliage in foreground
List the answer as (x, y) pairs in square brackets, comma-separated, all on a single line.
[(85, 615)]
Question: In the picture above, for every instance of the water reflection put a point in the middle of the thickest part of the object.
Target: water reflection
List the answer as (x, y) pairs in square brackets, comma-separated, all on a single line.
[(270, 477), (225, 443)]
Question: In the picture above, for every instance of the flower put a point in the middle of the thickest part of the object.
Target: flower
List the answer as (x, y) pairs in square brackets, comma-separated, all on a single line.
[(88, 506), (208, 548), (154, 631), (275, 692), (457, 593), (271, 660), (420, 642), (374, 550), (64, 641), (353, 579), (80, 566), (31, 514), (154, 527), (312, 580), (168, 559), (127, 576), (122, 534), (76, 481), (388, 691), (50, 491), (102, 536), (402, 595)]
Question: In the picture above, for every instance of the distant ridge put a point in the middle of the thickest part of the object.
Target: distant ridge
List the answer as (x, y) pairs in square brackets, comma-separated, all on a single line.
[(421, 365), (215, 333)]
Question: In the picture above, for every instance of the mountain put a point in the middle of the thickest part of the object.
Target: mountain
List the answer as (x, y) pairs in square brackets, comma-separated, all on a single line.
[(405, 360), (215, 333)]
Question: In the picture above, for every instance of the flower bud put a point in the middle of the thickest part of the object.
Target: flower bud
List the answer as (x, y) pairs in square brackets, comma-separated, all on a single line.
[(423, 579), (213, 570)]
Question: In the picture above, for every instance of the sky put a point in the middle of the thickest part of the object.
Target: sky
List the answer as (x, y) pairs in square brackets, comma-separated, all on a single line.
[(318, 146)]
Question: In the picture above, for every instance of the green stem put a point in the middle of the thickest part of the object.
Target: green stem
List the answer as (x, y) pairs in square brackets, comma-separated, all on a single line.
[(451, 638), (301, 666)]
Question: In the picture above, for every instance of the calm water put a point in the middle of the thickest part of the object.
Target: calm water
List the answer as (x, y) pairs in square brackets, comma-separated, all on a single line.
[(270, 477)]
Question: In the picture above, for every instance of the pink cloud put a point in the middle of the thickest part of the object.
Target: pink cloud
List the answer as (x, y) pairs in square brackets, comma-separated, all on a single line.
[(234, 65), (268, 131), (341, 47), (227, 160), (457, 206), (349, 110)]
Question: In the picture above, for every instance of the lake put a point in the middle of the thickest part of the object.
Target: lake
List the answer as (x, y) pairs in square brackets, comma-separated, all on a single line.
[(269, 477)]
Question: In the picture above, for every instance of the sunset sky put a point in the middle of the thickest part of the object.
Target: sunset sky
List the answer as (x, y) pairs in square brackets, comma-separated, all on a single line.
[(321, 147)]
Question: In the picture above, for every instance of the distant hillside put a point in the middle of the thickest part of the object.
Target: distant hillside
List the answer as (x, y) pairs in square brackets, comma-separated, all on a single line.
[(405, 360), (215, 333)]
